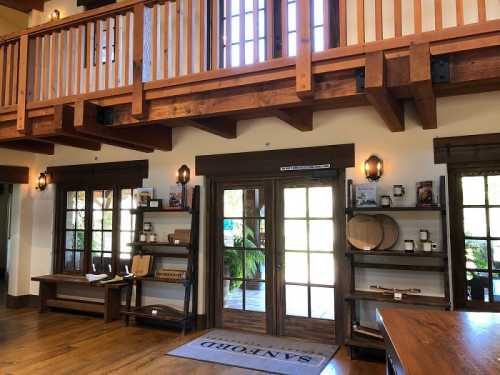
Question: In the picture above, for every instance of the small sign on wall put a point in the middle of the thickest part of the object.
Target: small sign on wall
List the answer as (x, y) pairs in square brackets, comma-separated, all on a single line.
[(294, 168)]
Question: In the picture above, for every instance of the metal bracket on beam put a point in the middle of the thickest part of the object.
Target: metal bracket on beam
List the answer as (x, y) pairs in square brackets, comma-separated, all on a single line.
[(360, 80), (440, 69), (105, 115)]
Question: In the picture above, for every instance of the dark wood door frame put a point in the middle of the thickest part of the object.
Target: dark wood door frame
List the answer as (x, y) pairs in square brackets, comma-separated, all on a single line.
[(14, 175)]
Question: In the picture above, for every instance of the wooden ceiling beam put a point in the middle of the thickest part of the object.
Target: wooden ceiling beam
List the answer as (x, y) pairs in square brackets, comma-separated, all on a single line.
[(220, 126), (377, 93), (145, 139), (300, 118), (30, 145), (421, 85), (24, 6)]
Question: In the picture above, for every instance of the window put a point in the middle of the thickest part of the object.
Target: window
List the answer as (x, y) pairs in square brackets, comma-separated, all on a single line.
[(98, 228), (480, 209), (244, 40)]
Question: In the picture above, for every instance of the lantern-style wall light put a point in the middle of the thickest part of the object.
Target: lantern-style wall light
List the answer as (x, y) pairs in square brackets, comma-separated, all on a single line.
[(183, 177), (42, 181), (374, 168), (54, 15)]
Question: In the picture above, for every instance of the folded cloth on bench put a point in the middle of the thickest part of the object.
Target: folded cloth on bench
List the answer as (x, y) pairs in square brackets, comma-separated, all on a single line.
[(92, 278)]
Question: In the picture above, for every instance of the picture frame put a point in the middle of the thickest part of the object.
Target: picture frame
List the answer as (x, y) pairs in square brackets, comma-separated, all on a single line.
[(425, 194), (366, 195), (155, 204), (142, 196)]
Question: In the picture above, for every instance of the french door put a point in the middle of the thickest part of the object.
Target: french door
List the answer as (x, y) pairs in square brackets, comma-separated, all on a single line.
[(275, 257)]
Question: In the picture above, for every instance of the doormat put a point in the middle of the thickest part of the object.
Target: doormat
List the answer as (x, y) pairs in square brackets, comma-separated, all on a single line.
[(258, 352)]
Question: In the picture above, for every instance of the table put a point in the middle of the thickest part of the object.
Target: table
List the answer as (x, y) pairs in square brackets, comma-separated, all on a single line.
[(423, 342)]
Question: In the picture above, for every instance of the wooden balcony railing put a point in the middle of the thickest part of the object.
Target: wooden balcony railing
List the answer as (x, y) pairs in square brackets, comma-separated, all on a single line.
[(140, 50)]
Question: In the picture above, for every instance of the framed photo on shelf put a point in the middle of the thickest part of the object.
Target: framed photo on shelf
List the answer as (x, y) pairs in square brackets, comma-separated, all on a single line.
[(175, 197), (142, 196), (156, 204), (425, 194), (366, 195)]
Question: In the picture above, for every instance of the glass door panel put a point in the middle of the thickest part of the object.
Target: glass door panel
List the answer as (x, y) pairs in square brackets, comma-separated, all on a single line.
[(74, 248), (307, 256), (102, 231)]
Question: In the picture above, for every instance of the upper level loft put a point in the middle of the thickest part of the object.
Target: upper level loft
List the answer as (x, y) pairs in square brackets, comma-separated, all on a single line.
[(127, 73)]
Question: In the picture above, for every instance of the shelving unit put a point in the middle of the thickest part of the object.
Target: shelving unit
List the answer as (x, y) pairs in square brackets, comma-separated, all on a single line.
[(356, 258), (186, 318)]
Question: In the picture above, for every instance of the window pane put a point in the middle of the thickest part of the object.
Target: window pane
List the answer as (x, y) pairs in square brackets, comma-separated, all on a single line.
[(320, 202), (235, 6), (255, 234), (292, 17), (70, 240), (495, 254), (476, 254), (235, 55), (255, 296), (233, 233), (248, 52), (235, 29), (126, 202), (80, 240), (494, 190), (108, 199), (319, 39), (233, 264), (80, 204), (255, 265), (318, 12), (473, 190), (496, 287), (322, 303), (107, 240), (248, 26), (98, 200), (70, 219), (295, 234), (321, 269), (68, 261), (295, 202), (97, 219), (292, 44), (477, 286), (296, 300), (80, 220), (126, 220), (125, 238), (296, 267), (107, 220), (255, 203), (262, 50), (97, 241), (262, 24), (78, 261), (262, 4), (71, 200), (495, 222), (233, 203), (475, 222), (233, 295), (248, 5), (321, 235)]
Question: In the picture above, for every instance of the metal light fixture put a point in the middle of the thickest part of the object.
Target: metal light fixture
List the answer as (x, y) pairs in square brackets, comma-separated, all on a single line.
[(183, 177), (374, 168), (42, 181), (54, 15)]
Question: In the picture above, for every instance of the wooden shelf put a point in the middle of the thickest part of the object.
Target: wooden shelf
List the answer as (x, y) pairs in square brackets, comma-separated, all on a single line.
[(77, 305), (363, 342), (168, 281), (160, 210), (165, 313), (401, 267), (158, 244), (407, 300), (394, 209), (398, 253)]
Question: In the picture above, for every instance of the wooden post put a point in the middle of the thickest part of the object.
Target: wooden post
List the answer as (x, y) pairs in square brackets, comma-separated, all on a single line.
[(137, 86), (270, 29), (23, 84), (304, 49)]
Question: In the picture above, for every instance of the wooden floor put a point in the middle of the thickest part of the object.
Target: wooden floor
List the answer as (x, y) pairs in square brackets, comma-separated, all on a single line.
[(60, 343)]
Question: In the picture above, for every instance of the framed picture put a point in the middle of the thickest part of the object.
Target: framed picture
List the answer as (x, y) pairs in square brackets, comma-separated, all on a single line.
[(143, 196), (175, 197), (366, 195), (425, 194), (155, 204)]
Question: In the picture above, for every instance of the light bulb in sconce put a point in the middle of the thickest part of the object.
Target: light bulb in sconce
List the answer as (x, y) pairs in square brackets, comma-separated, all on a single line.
[(374, 168), (54, 15), (42, 181)]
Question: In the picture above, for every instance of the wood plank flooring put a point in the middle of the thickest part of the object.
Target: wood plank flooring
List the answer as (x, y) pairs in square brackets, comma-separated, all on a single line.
[(62, 343)]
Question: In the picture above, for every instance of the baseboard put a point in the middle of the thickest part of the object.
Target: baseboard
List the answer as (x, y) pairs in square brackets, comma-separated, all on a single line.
[(18, 302)]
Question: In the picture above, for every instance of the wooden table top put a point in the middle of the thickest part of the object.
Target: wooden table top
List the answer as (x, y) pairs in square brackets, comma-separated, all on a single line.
[(443, 342)]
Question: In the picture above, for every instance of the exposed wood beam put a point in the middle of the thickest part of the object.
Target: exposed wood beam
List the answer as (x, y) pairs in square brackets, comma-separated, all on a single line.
[(23, 5), (421, 85), (14, 175), (145, 139), (30, 145), (378, 94), (300, 118), (223, 127)]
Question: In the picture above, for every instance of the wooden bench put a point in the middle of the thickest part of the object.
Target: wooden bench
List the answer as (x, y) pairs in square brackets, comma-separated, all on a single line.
[(110, 308)]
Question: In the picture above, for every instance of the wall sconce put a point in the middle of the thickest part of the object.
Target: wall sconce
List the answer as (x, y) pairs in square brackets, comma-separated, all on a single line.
[(54, 15), (42, 181), (374, 168), (183, 177)]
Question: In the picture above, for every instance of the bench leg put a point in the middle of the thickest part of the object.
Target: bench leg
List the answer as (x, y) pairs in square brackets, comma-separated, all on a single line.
[(47, 291), (112, 304)]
